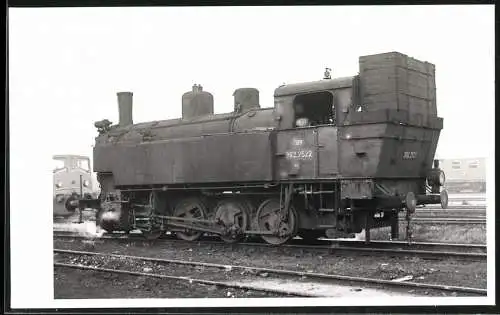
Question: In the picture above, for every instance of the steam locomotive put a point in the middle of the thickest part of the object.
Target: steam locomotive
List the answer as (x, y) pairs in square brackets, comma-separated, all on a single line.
[(344, 154)]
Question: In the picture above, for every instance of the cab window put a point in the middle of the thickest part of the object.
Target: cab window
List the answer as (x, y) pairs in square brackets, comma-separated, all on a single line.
[(314, 109), (58, 164), (83, 164)]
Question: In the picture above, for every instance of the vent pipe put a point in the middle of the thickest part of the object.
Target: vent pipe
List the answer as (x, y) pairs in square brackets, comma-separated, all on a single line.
[(125, 108), (197, 88)]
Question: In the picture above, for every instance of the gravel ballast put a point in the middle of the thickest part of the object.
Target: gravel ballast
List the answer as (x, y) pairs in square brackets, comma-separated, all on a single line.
[(72, 283), (446, 271)]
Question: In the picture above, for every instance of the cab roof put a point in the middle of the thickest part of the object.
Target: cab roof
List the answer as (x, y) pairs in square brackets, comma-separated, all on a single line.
[(321, 85)]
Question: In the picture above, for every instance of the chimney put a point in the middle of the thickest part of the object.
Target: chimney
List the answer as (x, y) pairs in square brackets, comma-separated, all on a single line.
[(125, 108), (197, 88)]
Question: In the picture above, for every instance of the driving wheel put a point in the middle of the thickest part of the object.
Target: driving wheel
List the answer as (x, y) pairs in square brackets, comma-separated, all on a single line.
[(268, 220), (192, 208), (233, 216)]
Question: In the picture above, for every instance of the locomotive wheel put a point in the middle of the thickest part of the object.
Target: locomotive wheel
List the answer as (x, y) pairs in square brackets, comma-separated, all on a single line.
[(192, 208), (311, 235), (268, 220), (232, 215), (154, 232), (109, 220)]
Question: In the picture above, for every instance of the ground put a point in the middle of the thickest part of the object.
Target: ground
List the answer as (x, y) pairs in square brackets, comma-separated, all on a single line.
[(442, 233), (446, 271), (83, 284)]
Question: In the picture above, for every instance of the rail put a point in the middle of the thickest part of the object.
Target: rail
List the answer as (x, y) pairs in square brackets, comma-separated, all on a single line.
[(420, 249), (189, 279)]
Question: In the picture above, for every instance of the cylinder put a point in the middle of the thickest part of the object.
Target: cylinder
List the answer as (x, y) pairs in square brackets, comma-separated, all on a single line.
[(125, 108), (246, 99), (197, 103)]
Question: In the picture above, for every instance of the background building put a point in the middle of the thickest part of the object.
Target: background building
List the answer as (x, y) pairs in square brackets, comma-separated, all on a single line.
[(464, 175)]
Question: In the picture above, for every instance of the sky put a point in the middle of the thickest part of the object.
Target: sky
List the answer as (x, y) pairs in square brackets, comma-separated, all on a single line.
[(66, 64)]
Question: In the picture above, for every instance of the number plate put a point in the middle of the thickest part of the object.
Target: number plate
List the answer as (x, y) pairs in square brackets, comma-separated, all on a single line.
[(409, 155), (299, 155)]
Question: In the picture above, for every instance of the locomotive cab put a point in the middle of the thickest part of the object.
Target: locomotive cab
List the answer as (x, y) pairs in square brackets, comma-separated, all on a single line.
[(307, 142), (319, 103), (369, 141)]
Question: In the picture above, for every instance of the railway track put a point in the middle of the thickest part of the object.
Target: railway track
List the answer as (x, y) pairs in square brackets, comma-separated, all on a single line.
[(454, 207), (211, 274), (191, 280), (463, 212), (451, 208), (434, 218), (441, 216), (447, 220), (433, 215), (423, 250), (453, 220)]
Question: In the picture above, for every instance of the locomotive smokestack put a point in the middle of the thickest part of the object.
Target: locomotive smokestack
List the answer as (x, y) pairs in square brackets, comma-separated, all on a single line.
[(197, 88), (125, 108)]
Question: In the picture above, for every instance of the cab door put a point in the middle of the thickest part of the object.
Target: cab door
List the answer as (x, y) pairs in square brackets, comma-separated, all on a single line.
[(327, 152), (307, 153)]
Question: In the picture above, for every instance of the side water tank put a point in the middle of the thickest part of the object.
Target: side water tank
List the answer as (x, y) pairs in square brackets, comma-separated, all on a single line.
[(197, 103), (246, 99)]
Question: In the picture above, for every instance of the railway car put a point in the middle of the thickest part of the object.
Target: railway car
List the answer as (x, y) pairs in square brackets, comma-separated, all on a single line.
[(342, 154), (465, 175), (72, 179)]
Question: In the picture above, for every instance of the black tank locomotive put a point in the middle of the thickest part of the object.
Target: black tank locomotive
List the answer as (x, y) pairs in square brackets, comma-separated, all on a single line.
[(345, 154)]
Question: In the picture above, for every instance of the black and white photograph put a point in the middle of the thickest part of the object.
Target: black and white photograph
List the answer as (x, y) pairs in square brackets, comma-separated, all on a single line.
[(251, 156)]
